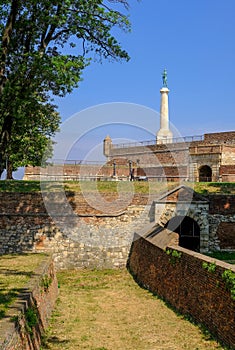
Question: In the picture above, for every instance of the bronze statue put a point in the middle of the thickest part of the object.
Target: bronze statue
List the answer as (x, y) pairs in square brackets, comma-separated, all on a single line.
[(164, 78)]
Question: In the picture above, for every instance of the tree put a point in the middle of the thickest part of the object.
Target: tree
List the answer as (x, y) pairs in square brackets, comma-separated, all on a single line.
[(45, 46)]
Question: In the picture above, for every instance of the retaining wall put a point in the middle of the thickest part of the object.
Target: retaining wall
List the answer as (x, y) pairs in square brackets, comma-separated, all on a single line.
[(84, 237), (41, 299), (186, 285), (87, 237)]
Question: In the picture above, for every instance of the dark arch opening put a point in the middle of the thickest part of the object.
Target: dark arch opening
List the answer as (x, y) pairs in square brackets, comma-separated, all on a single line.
[(188, 230), (205, 174)]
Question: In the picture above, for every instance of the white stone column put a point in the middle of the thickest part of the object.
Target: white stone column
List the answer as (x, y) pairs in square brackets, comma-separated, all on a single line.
[(164, 135)]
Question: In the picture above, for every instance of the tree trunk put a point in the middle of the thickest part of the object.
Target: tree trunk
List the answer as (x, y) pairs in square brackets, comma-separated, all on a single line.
[(9, 171)]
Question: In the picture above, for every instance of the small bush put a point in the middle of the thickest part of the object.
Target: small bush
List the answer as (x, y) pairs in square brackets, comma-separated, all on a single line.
[(229, 278), (31, 318)]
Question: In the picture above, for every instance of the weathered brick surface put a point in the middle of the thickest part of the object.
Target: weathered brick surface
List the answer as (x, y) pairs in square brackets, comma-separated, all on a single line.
[(87, 235), (227, 169), (220, 137), (215, 150), (222, 204), (76, 233), (226, 235), (187, 286), (15, 336)]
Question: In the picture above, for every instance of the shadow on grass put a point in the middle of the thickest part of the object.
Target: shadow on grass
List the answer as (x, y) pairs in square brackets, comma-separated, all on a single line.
[(9, 272), (19, 186), (7, 298), (53, 341), (9, 295)]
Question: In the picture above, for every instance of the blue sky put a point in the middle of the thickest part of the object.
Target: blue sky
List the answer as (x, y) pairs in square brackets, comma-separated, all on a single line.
[(195, 41)]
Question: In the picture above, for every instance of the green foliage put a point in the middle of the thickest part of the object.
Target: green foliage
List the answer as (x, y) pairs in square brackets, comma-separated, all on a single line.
[(229, 278), (225, 256), (45, 282), (206, 188), (210, 267), (44, 48), (174, 255), (31, 319)]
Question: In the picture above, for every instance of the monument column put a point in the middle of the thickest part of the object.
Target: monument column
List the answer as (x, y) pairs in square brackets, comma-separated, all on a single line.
[(164, 135)]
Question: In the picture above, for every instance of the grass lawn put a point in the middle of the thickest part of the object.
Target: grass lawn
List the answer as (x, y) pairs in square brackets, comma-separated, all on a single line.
[(15, 272), (113, 186), (228, 257), (107, 310)]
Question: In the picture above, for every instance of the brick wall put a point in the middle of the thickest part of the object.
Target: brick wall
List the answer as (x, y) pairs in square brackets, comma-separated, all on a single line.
[(89, 237), (85, 238), (227, 169), (221, 204), (227, 173), (226, 235), (220, 137), (155, 154), (187, 286), (41, 300)]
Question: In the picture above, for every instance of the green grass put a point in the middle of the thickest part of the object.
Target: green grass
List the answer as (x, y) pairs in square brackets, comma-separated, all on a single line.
[(76, 186), (15, 271), (224, 256), (214, 187), (113, 186), (106, 310)]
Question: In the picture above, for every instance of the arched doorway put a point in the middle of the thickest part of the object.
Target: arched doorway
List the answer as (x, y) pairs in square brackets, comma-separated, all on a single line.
[(205, 174), (188, 230)]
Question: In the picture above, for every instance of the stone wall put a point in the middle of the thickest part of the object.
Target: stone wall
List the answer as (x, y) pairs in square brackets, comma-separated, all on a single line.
[(188, 286), (86, 237), (228, 156), (222, 222), (39, 298)]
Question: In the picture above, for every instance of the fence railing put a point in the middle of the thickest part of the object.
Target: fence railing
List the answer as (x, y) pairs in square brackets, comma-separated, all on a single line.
[(153, 142), (74, 162)]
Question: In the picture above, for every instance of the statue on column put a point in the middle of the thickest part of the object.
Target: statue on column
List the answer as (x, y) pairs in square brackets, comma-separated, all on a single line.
[(164, 78)]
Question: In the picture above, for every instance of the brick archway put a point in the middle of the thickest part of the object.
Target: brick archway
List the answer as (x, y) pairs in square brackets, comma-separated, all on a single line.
[(205, 173), (188, 231), (184, 202)]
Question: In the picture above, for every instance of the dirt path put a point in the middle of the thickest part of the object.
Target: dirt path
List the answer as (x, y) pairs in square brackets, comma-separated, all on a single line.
[(107, 310)]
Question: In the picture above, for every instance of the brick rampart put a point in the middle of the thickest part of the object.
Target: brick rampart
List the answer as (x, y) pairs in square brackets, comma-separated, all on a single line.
[(187, 285), (219, 137), (83, 236), (216, 150), (86, 236)]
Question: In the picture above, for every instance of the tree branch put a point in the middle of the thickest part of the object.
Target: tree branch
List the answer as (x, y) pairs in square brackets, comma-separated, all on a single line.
[(6, 38)]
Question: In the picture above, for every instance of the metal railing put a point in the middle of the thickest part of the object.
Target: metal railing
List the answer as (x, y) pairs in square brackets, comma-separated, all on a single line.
[(74, 162), (153, 142)]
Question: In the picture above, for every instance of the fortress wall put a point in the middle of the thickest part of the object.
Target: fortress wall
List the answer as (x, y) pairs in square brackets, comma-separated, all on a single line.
[(153, 155), (222, 222), (172, 173), (227, 173), (86, 236), (185, 281), (89, 239), (205, 149), (228, 156), (68, 171), (220, 137), (222, 204)]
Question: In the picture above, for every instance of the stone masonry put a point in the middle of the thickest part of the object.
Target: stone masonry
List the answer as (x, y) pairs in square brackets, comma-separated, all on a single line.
[(90, 238)]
